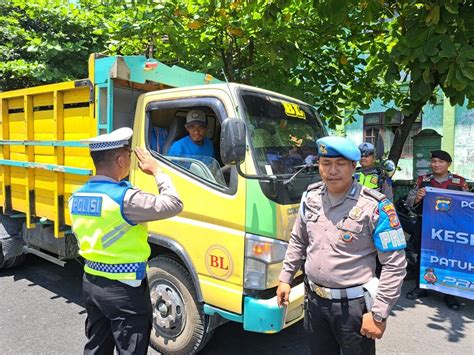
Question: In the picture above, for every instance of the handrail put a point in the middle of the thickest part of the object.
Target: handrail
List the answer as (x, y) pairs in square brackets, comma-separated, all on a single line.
[(51, 167), (77, 144)]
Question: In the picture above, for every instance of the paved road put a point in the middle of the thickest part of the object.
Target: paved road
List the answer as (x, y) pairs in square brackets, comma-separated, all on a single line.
[(41, 313)]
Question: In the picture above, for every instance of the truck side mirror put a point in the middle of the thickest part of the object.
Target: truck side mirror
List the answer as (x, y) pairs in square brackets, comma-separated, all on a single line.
[(233, 141)]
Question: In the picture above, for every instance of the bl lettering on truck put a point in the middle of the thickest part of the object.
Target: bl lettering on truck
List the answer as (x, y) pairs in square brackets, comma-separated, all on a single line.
[(219, 262), (293, 110), (87, 205)]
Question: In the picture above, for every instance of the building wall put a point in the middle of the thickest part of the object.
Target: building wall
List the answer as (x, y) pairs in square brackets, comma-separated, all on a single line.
[(464, 143)]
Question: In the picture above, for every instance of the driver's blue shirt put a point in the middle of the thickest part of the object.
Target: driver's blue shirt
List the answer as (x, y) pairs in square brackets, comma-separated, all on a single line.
[(186, 147)]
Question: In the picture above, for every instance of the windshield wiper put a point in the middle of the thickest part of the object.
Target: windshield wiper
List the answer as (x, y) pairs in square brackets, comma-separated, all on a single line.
[(302, 167)]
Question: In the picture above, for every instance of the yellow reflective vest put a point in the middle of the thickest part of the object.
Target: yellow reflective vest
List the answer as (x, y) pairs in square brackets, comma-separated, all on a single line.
[(371, 178), (112, 246)]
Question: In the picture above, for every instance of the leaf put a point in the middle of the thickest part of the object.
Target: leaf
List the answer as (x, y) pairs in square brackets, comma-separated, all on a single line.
[(468, 72), (427, 76), (447, 48), (194, 25), (467, 51), (451, 8), (450, 76), (237, 32), (461, 80), (431, 46), (390, 113), (433, 16)]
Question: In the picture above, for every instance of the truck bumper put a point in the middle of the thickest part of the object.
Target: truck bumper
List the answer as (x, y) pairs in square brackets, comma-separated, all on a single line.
[(264, 316)]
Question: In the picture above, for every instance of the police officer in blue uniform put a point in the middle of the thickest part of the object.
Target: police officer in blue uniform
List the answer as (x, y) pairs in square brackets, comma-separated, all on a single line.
[(340, 228), (108, 217)]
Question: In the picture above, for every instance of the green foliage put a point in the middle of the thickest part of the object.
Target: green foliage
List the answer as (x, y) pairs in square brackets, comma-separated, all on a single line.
[(286, 46), (45, 41), (436, 45), (338, 55)]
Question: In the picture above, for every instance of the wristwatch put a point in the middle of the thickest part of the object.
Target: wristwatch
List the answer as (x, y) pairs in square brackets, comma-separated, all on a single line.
[(377, 317)]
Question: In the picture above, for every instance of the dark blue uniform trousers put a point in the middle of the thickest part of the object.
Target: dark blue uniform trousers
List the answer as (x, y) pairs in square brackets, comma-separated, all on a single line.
[(334, 326), (118, 315)]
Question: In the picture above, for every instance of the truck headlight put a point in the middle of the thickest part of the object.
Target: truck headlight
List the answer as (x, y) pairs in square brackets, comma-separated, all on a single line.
[(263, 261)]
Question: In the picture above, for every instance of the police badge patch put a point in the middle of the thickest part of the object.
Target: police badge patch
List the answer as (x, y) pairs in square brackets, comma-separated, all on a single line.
[(355, 213), (389, 209), (394, 221), (322, 148), (374, 180), (442, 204), (347, 237)]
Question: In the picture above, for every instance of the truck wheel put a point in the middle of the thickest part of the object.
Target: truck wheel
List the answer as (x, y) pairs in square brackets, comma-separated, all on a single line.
[(179, 323), (10, 262)]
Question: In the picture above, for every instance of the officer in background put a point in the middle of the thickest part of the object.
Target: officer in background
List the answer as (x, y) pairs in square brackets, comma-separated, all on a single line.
[(341, 226), (370, 175), (441, 178), (108, 217)]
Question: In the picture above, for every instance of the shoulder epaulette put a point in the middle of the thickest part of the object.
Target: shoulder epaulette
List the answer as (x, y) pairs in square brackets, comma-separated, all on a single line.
[(456, 176), (373, 193), (314, 186)]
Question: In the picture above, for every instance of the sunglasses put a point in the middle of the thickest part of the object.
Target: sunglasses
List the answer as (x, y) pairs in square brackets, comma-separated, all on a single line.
[(365, 155)]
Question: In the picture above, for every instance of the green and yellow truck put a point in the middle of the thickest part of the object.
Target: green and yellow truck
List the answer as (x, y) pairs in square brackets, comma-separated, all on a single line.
[(219, 260)]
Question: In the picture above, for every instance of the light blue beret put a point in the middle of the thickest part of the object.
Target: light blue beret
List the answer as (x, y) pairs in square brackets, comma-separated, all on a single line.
[(367, 148), (334, 147)]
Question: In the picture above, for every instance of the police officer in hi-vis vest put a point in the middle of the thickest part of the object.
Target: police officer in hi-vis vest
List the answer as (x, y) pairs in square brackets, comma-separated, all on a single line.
[(441, 178), (341, 226), (108, 217), (370, 175)]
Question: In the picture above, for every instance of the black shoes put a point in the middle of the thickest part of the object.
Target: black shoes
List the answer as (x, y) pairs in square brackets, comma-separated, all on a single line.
[(416, 293), (452, 302)]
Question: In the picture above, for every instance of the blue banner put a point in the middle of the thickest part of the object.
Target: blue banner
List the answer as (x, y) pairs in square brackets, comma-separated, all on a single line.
[(447, 246)]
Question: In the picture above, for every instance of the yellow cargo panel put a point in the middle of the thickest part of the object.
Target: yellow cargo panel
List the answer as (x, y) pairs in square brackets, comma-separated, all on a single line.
[(76, 121), (44, 150), (45, 159), (43, 121), (78, 95), (41, 162), (15, 103), (18, 151), (40, 100)]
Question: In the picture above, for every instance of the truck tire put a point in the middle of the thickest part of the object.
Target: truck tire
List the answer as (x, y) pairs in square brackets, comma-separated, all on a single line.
[(179, 323), (10, 262), (14, 228)]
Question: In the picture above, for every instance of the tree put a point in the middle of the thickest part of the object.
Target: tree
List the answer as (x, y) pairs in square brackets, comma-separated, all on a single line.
[(45, 41), (417, 48), (435, 49)]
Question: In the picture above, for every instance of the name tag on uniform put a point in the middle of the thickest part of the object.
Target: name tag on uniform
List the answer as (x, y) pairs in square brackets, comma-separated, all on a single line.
[(87, 205)]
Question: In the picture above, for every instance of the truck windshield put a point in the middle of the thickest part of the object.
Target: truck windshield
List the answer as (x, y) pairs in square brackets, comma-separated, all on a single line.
[(283, 133)]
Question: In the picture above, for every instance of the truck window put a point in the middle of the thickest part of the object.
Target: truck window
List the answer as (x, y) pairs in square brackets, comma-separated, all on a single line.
[(282, 133), (193, 148)]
